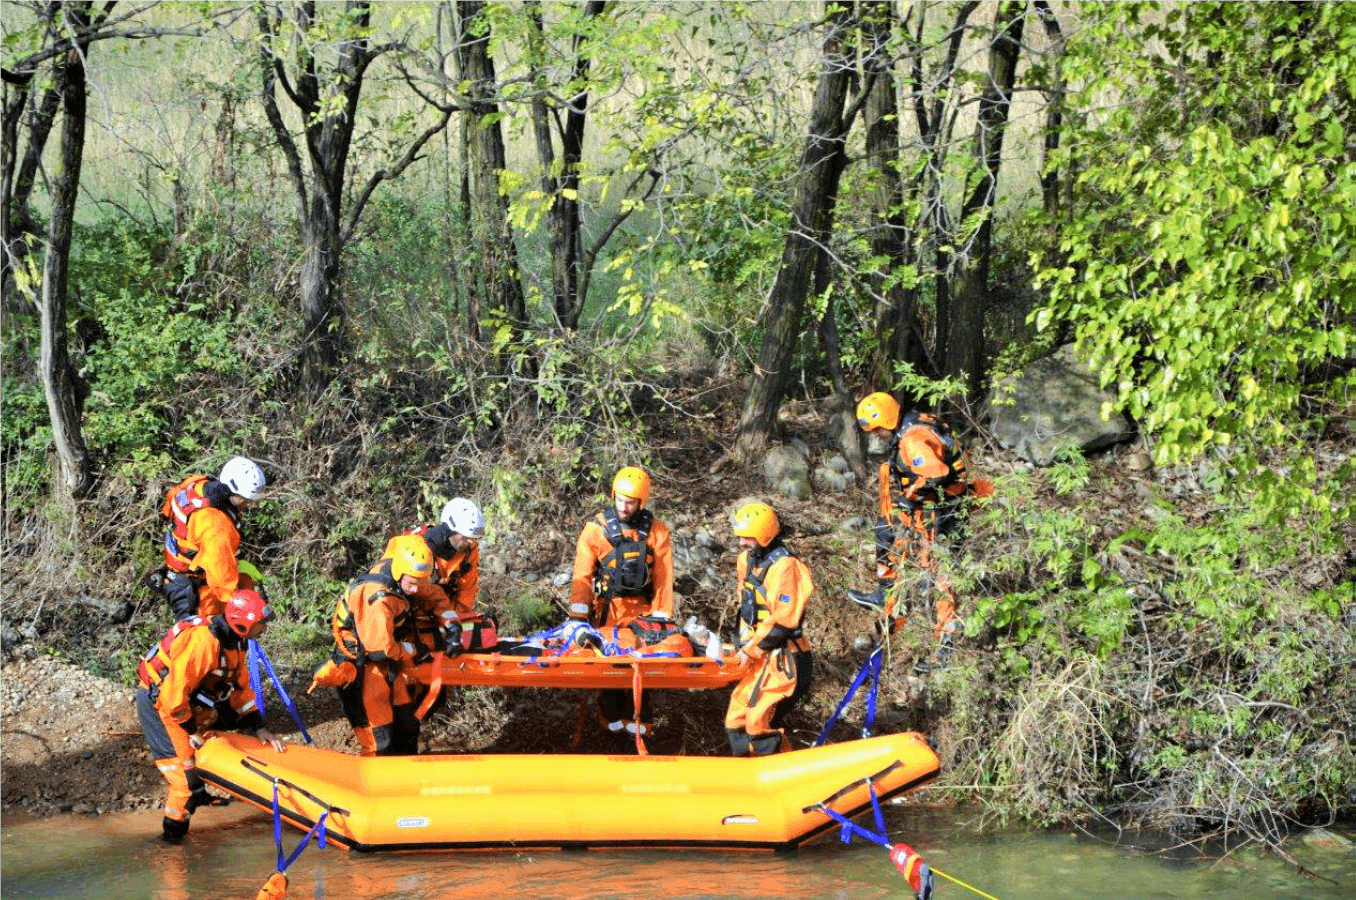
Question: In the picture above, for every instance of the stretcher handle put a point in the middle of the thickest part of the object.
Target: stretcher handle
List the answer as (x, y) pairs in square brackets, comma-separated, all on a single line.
[(258, 768)]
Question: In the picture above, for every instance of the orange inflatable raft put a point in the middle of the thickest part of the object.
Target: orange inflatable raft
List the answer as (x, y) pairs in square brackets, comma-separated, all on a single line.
[(452, 802)]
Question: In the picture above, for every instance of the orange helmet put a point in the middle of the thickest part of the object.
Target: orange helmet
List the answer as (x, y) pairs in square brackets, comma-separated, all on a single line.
[(411, 556), (631, 481), (757, 521), (244, 609), (878, 410)]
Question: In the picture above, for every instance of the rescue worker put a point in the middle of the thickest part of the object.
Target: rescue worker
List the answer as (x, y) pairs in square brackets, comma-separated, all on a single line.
[(439, 606), (923, 489), (623, 570), (450, 594), (194, 679), (774, 588), (201, 571), (381, 699)]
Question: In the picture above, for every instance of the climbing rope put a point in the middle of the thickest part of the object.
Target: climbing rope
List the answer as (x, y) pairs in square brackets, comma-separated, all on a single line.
[(257, 658), (870, 669)]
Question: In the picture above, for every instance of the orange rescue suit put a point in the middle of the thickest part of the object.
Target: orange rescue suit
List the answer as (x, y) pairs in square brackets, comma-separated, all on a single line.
[(185, 676), (774, 590), (594, 547), (451, 593), (380, 701), (202, 542), (922, 482)]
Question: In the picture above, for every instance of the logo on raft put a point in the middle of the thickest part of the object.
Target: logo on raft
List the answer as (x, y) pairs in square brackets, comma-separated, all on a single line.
[(412, 822)]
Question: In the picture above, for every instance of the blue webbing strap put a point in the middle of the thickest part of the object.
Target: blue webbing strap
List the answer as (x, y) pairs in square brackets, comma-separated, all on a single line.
[(318, 830), (849, 827), (869, 668), (256, 659)]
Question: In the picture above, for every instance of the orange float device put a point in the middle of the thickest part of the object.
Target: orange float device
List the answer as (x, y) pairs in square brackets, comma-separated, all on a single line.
[(453, 802)]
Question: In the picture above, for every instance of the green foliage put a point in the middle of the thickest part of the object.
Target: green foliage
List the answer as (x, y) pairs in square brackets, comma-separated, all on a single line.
[(526, 612), (149, 342), (1070, 470), (1207, 271)]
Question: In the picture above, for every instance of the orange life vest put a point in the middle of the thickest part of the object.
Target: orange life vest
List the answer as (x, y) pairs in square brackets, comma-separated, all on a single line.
[(153, 666), (214, 688)]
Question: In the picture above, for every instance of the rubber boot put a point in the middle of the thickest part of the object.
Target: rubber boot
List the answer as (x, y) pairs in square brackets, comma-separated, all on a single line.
[(874, 601), (173, 830)]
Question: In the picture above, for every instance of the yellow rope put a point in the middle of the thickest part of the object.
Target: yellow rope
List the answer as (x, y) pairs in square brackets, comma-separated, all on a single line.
[(968, 887)]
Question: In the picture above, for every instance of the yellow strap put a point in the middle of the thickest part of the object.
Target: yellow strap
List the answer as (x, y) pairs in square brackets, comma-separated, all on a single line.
[(968, 887)]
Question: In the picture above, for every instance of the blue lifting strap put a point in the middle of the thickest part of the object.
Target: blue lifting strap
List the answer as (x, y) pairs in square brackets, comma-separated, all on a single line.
[(257, 659), (318, 830), (870, 668)]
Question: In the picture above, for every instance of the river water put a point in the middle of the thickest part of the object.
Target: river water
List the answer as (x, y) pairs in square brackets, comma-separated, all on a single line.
[(231, 852)]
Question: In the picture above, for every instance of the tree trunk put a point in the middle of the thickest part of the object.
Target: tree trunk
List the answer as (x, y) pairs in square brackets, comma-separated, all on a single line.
[(833, 358), (322, 316), (898, 330), (816, 192), (491, 233), (1054, 110), (60, 383), (966, 358), (21, 231), (560, 174)]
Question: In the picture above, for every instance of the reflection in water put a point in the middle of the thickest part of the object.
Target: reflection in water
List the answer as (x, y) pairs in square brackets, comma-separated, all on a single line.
[(230, 854)]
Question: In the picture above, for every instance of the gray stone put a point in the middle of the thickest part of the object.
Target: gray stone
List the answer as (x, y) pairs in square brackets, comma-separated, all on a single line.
[(1052, 404), (830, 480), (838, 462), (787, 472), (844, 432), (708, 540)]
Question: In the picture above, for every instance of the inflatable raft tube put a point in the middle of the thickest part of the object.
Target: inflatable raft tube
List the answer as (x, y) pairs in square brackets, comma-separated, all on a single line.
[(454, 802)]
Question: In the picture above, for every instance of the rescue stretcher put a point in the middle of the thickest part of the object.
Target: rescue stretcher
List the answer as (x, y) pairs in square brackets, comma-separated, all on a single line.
[(472, 802), (587, 672)]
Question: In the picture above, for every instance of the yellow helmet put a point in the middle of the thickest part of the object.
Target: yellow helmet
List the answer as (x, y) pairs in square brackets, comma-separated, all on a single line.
[(878, 410), (631, 481), (757, 521), (410, 555)]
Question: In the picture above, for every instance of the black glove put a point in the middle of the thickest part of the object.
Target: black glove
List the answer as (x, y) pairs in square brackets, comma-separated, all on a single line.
[(452, 635)]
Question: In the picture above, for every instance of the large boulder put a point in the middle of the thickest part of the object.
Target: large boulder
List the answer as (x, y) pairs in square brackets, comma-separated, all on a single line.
[(1054, 403), (787, 470)]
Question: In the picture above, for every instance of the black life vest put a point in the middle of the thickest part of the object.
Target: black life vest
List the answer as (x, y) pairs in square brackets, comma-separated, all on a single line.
[(625, 570), (754, 608), (344, 625), (901, 474), (438, 537)]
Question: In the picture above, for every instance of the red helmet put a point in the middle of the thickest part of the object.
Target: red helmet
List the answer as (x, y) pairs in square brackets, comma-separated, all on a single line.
[(244, 609)]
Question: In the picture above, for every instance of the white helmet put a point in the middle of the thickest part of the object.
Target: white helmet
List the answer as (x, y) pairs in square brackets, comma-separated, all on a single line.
[(464, 517), (243, 476)]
